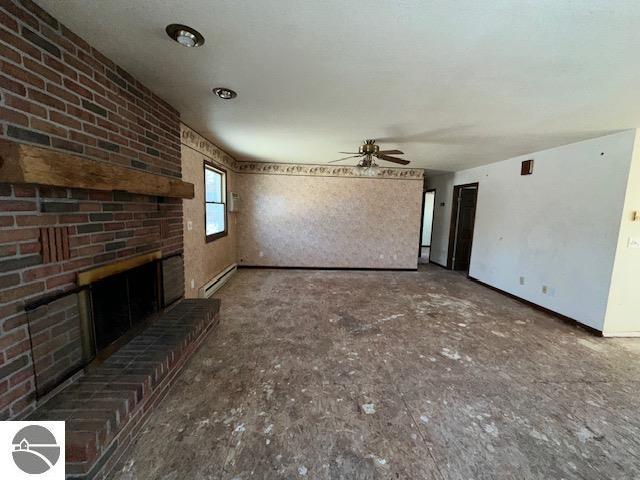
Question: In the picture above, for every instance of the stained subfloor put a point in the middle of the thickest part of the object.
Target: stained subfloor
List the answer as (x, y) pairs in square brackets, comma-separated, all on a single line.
[(393, 375)]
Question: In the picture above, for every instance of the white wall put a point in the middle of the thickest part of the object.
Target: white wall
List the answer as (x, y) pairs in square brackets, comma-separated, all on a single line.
[(623, 314), (427, 218), (558, 227)]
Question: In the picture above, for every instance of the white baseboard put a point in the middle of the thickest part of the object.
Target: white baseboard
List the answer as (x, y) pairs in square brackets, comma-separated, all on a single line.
[(621, 334), (216, 283)]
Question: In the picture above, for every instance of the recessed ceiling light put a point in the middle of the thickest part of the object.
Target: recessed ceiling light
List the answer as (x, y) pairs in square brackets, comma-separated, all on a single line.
[(225, 93), (185, 36)]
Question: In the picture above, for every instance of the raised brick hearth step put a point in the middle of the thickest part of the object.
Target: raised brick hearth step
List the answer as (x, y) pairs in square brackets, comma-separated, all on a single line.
[(107, 407)]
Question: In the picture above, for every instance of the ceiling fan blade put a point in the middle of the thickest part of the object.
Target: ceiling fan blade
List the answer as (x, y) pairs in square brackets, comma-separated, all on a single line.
[(391, 152), (393, 159), (350, 153), (345, 158)]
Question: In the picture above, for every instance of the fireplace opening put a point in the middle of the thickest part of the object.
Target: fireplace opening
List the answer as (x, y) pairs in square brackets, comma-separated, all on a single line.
[(118, 301), (78, 330), (122, 302)]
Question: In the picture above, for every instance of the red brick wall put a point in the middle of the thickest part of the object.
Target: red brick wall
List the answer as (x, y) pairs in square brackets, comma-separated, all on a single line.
[(56, 345), (59, 92)]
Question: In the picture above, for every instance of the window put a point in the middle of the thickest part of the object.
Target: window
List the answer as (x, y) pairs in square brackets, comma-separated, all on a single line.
[(215, 202)]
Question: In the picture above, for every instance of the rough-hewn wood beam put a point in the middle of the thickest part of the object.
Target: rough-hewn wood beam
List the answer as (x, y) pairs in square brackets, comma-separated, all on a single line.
[(20, 163)]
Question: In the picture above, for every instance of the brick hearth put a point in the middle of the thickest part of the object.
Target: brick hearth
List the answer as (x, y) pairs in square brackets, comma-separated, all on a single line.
[(107, 407)]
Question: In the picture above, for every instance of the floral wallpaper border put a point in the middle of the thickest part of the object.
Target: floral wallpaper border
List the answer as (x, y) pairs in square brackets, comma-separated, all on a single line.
[(198, 142), (325, 171), (191, 138)]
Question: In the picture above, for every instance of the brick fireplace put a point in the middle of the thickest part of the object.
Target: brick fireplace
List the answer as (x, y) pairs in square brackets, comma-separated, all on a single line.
[(111, 304), (93, 325), (59, 93)]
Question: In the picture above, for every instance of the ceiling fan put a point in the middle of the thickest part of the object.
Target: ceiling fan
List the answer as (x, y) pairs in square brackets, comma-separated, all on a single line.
[(368, 151)]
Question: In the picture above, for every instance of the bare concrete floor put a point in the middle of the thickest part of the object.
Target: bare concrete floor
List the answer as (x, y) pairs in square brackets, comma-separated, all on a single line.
[(393, 375)]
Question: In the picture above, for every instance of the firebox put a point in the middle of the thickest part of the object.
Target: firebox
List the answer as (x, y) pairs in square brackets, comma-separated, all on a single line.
[(122, 302), (118, 301)]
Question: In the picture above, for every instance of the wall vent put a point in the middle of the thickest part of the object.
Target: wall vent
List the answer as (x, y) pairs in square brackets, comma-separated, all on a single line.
[(55, 244), (164, 228), (527, 167)]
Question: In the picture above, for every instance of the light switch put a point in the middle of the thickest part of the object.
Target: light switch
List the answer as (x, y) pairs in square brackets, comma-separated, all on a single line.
[(189, 225)]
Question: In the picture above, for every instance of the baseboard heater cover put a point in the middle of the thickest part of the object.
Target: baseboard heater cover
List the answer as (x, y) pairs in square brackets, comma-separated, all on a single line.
[(217, 282)]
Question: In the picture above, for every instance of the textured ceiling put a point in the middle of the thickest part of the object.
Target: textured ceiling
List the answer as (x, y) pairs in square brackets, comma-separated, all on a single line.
[(453, 84)]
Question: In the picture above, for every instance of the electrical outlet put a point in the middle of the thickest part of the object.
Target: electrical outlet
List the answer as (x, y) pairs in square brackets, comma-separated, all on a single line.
[(634, 243), (193, 284), (547, 290), (521, 280)]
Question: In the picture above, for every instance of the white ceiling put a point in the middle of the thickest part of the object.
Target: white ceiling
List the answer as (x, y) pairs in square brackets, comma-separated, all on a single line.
[(452, 83)]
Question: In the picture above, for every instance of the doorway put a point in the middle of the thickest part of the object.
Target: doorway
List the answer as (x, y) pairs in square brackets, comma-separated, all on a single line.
[(463, 216), (428, 203)]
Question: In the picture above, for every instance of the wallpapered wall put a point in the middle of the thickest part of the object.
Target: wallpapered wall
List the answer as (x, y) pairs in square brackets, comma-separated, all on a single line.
[(315, 221), (202, 260), (301, 216)]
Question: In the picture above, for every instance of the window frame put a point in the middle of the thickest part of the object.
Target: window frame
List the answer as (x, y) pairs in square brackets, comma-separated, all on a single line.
[(212, 166)]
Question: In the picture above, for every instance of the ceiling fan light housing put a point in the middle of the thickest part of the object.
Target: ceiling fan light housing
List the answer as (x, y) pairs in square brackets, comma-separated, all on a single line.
[(184, 35), (372, 170), (367, 167)]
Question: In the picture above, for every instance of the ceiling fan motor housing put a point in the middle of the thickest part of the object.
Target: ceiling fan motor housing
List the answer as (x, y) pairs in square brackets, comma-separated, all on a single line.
[(369, 149)]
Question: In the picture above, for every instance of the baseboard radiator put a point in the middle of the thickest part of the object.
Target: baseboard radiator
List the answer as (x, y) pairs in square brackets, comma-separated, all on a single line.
[(217, 282)]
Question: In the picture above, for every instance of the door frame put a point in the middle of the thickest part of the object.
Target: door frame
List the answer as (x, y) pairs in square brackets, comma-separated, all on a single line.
[(453, 225), (424, 192)]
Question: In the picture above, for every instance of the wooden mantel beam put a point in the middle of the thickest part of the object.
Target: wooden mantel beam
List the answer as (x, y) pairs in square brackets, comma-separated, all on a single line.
[(20, 163)]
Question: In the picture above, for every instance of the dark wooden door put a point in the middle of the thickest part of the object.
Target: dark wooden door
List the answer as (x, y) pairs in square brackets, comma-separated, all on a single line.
[(467, 198)]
